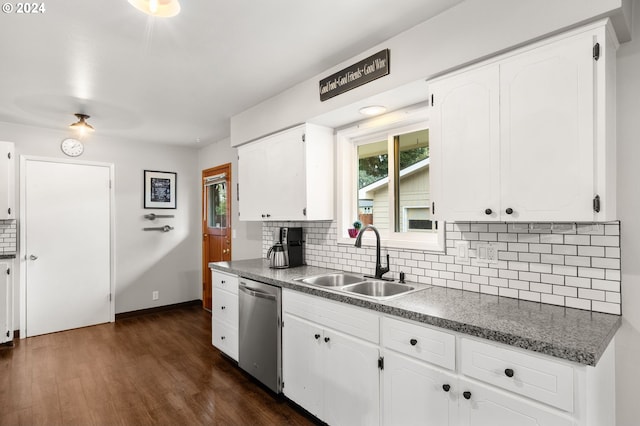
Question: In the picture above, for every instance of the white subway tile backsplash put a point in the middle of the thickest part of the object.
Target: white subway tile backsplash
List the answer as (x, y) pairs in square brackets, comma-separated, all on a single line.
[(573, 266), (8, 236)]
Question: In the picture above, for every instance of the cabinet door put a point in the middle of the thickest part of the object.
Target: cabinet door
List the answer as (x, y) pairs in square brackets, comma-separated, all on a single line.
[(6, 334), (414, 393), (253, 182), (547, 132), (286, 177), (7, 181), (352, 380), (488, 407), (464, 143), (301, 363)]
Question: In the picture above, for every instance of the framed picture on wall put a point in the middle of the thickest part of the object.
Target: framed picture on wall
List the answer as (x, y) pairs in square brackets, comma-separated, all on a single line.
[(160, 189)]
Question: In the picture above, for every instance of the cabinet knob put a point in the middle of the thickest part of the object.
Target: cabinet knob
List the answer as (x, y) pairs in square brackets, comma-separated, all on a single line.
[(264, 215), (509, 210), (326, 340), (488, 211), (223, 281), (446, 388), (223, 307), (222, 337), (413, 342), (317, 336), (466, 394), (508, 372)]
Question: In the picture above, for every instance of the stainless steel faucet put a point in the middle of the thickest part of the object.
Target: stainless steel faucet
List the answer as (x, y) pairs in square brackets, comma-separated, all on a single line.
[(380, 270)]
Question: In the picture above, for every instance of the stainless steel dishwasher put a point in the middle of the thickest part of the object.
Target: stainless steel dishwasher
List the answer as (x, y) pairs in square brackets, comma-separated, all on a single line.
[(260, 333)]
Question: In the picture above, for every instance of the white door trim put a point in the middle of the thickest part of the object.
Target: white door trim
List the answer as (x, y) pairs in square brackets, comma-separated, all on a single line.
[(22, 249)]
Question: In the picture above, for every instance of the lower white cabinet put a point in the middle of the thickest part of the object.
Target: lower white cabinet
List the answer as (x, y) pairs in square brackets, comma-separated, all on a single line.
[(224, 313), (481, 405), (6, 301), (330, 373), (415, 393), (490, 385)]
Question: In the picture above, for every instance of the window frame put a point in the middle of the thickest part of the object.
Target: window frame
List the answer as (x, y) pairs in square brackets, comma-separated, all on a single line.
[(347, 139)]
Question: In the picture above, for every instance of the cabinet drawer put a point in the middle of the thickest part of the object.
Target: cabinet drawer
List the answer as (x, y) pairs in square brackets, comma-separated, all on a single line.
[(225, 281), (225, 338), (352, 320), (420, 342), (541, 379), (225, 307)]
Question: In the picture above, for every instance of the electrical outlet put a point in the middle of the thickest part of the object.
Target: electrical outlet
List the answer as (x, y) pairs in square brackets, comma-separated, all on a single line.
[(487, 252), (155, 295)]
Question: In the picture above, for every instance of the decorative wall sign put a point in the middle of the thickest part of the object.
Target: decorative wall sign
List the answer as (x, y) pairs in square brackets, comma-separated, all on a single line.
[(159, 190), (363, 72)]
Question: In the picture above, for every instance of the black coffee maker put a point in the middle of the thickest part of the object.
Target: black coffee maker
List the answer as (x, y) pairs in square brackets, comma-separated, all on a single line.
[(291, 239)]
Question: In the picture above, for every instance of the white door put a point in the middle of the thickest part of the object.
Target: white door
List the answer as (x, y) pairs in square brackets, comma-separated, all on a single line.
[(6, 332), (66, 215)]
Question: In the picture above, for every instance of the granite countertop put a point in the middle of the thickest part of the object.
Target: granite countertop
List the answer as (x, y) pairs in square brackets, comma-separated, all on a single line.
[(567, 333), (7, 255)]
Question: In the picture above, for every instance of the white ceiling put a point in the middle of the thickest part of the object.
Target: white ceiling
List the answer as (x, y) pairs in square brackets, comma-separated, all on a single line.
[(179, 80)]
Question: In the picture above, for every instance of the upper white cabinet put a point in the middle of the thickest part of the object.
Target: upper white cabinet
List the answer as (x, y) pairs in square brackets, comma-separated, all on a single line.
[(288, 175), (530, 135), (7, 181)]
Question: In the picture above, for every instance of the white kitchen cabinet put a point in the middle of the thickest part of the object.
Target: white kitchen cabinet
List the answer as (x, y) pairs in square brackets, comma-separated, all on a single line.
[(328, 372), (288, 175), (415, 393), (6, 301), (481, 405), (7, 181), (224, 313), (491, 384), (529, 135)]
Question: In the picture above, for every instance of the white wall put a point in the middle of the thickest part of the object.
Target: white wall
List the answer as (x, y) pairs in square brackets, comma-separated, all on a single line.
[(470, 31), (247, 236), (628, 338), (145, 261)]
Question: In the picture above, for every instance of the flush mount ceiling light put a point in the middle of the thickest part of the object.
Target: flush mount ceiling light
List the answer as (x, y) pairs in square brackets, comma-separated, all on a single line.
[(372, 110), (158, 8), (82, 126)]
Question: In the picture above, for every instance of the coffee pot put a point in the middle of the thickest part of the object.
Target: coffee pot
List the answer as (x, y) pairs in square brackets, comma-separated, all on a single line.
[(277, 256)]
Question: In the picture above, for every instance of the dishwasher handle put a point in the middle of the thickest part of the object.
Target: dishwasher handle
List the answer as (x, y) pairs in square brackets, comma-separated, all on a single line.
[(257, 293)]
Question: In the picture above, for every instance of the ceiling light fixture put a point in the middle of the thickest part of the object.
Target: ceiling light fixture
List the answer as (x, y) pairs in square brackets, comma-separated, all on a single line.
[(82, 126), (372, 110), (158, 8)]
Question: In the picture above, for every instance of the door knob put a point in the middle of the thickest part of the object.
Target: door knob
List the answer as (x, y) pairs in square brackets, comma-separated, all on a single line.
[(33, 257)]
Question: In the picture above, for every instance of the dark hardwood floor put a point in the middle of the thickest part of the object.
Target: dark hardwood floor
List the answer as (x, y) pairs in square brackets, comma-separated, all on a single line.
[(153, 369)]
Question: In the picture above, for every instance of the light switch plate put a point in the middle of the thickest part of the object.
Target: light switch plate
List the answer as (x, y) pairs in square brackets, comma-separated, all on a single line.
[(461, 251)]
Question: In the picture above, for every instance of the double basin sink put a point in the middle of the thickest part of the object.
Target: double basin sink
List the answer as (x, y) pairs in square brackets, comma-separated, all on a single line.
[(354, 284)]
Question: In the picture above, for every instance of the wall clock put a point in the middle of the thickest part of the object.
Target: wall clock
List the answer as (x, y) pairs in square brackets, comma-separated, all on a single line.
[(72, 147)]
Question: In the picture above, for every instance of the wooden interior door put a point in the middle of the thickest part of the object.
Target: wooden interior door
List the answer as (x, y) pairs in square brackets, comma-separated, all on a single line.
[(216, 223)]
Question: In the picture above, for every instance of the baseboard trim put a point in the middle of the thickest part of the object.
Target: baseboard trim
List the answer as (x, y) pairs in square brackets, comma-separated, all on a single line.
[(157, 309)]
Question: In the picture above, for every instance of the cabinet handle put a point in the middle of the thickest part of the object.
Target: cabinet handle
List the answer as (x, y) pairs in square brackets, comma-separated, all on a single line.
[(264, 215), (488, 211), (222, 337), (223, 307), (223, 282), (446, 388), (466, 394), (509, 210), (508, 372), (317, 336), (326, 340), (413, 342)]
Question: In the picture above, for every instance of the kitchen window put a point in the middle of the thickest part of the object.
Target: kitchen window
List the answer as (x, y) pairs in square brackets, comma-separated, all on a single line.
[(383, 180)]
